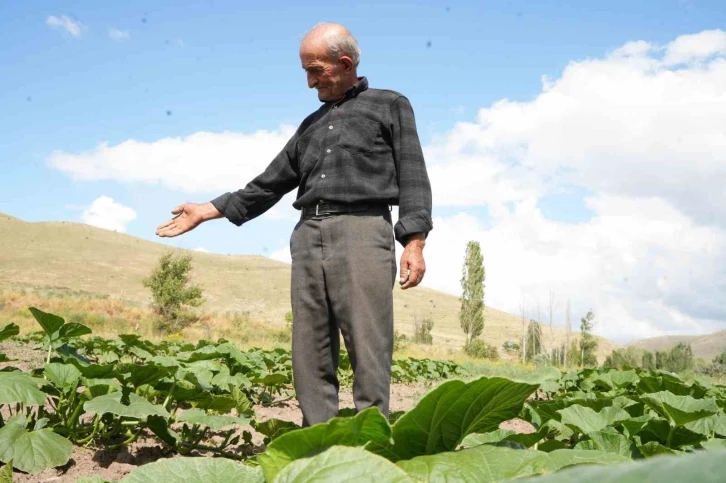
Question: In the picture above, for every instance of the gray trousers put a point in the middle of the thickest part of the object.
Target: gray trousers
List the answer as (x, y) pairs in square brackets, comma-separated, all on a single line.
[(343, 271)]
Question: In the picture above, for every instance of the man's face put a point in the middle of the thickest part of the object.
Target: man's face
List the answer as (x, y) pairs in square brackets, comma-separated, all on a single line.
[(324, 74)]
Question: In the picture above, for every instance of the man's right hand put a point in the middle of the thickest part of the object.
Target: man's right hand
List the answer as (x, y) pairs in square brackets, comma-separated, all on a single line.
[(189, 216)]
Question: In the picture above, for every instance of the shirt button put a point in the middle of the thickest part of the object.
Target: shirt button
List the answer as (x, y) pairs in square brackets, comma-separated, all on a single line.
[(327, 150), (330, 127), (322, 176)]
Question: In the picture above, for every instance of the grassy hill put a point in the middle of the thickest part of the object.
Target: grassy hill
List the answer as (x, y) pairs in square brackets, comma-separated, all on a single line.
[(79, 257), (703, 346)]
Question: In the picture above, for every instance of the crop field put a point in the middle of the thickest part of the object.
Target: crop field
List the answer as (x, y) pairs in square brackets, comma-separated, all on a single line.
[(200, 407)]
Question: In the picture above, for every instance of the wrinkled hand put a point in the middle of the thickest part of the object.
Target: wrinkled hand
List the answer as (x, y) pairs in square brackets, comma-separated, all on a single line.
[(188, 216), (413, 265)]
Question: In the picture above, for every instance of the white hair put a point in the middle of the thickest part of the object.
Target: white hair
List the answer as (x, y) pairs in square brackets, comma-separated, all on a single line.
[(343, 44), (340, 44)]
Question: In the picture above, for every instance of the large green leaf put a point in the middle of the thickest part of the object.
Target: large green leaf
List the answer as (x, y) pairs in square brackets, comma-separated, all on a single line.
[(679, 410), (714, 444), (615, 379), (368, 425), (654, 448), (138, 408), (562, 458), (17, 387), (139, 375), (489, 463), (341, 463), (194, 470), (586, 420), (446, 415), (32, 451), (483, 464), (706, 426), (503, 435), (73, 329), (9, 331), (607, 440), (478, 439), (703, 467), (672, 436), (213, 421), (50, 323), (62, 376)]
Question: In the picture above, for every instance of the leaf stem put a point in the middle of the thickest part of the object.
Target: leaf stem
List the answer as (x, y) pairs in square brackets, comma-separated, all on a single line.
[(669, 441)]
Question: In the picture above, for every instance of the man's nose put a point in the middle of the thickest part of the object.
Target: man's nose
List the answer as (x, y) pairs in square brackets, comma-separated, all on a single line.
[(312, 81)]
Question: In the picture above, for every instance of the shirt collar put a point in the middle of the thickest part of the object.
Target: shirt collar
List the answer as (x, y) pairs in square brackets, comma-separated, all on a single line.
[(352, 91), (357, 88)]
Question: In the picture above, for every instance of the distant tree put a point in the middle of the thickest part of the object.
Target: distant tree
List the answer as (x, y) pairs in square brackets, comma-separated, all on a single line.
[(171, 292), (627, 358), (648, 361), (574, 355), (471, 315), (588, 343), (680, 358), (422, 331), (534, 340)]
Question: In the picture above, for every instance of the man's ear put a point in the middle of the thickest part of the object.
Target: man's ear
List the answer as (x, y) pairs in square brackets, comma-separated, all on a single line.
[(347, 63)]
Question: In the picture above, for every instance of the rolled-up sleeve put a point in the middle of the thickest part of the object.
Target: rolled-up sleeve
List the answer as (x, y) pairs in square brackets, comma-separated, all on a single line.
[(414, 187), (279, 178)]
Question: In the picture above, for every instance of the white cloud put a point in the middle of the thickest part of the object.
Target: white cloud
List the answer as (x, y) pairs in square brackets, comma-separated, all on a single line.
[(65, 23), (118, 35), (104, 212), (200, 249), (641, 266), (202, 162), (629, 124)]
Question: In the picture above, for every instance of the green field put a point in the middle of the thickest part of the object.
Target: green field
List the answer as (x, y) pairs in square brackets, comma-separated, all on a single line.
[(198, 404)]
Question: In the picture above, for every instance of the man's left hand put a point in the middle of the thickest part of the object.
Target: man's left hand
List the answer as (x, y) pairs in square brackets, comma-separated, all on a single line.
[(413, 265)]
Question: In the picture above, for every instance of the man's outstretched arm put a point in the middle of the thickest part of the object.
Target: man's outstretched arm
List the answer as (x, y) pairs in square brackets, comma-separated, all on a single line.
[(260, 194)]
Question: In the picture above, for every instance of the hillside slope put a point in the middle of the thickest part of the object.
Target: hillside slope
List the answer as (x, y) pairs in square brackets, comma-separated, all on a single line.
[(704, 346), (82, 257)]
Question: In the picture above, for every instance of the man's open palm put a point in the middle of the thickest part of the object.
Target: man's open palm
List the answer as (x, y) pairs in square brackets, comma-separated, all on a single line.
[(189, 216)]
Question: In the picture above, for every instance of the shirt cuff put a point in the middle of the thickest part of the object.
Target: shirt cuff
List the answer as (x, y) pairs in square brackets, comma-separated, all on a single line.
[(222, 203), (417, 222)]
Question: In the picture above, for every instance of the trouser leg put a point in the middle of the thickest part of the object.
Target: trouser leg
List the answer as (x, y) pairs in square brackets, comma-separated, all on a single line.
[(360, 270), (315, 340)]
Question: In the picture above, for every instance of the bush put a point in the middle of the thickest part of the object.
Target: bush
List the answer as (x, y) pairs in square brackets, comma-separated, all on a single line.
[(481, 350), (400, 341), (171, 293), (422, 333)]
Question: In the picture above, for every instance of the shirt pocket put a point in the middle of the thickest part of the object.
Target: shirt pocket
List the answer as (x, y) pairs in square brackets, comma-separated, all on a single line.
[(359, 136)]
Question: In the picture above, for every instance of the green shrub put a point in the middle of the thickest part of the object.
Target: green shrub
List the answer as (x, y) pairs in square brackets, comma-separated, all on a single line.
[(481, 350)]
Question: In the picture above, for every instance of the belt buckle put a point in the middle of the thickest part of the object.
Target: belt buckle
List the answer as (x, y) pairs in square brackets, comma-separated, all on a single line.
[(317, 207)]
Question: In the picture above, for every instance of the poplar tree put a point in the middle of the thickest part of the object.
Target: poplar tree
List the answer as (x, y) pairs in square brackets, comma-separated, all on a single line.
[(471, 315)]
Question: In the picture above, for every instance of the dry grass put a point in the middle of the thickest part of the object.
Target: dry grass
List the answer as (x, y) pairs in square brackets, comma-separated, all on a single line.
[(72, 260)]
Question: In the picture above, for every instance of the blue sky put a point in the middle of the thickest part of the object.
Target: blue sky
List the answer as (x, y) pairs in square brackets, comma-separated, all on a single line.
[(173, 69)]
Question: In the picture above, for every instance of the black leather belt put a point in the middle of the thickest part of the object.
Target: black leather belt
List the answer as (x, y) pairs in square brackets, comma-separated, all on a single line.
[(325, 208)]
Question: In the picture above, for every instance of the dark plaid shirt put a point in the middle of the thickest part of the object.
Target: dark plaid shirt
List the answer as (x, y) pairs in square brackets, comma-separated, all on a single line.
[(361, 149)]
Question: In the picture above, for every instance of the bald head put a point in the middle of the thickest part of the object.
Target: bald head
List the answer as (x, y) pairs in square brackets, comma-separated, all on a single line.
[(335, 39), (330, 56)]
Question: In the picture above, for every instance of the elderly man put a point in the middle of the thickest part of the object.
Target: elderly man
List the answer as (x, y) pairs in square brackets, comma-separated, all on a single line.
[(350, 160)]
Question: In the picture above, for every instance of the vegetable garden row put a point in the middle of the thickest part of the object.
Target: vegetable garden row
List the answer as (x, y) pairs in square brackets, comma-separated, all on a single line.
[(195, 397)]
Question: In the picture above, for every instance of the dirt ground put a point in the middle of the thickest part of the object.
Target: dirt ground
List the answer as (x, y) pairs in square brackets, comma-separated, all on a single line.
[(112, 465)]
